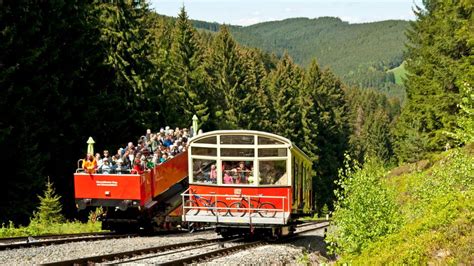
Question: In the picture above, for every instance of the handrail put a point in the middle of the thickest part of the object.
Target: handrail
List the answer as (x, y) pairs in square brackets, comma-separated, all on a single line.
[(188, 193)]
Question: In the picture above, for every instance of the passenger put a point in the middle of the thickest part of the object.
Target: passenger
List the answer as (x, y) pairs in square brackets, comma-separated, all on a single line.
[(154, 143), (228, 178), (119, 169), (235, 176), (106, 154), (168, 141), (137, 167), (242, 173), (98, 159), (105, 168), (149, 163), (164, 158), (148, 134), (89, 164), (251, 179), (213, 174), (156, 157)]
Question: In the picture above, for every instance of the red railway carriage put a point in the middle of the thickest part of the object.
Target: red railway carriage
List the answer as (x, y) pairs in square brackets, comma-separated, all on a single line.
[(149, 200), (247, 179)]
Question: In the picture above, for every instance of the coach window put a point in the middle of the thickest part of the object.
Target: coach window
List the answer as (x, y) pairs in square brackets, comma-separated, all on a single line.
[(237, 139), (237, 172), (277, 152), (227, 152), (203, 151), (204, 171), (273, 172), (268, 141), (208, 140)]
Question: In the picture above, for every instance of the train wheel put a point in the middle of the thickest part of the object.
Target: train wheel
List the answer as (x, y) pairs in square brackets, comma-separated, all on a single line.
[(221, 208), (191, 207), (267, 210), (237, 209)]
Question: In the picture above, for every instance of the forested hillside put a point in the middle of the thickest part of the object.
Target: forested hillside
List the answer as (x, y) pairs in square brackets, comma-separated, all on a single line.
[(112, 70), (360, 54)]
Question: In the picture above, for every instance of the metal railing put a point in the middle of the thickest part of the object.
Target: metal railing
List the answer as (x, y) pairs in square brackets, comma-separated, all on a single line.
[(209, 203)]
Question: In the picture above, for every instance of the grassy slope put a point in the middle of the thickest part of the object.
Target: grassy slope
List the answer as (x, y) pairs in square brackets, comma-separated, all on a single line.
[(437, 203), (399, 73)]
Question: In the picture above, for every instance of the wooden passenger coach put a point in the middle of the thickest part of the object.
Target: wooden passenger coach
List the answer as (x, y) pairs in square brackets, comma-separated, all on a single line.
[(250, 179)]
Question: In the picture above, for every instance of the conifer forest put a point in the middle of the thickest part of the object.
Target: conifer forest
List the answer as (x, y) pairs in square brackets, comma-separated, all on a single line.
[(72, 69)]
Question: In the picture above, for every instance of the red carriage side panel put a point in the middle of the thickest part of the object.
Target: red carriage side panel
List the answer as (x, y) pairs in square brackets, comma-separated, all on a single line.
[(103, 186), (170, 173)]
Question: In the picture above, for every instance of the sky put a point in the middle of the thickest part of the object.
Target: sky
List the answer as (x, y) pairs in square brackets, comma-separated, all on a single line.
[(248, 12)]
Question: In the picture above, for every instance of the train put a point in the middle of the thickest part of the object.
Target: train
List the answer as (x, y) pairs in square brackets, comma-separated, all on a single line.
[(243, 182)]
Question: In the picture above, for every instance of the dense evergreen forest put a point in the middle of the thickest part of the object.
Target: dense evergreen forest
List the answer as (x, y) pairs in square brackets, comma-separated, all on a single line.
[(74, 69), (361, 54)]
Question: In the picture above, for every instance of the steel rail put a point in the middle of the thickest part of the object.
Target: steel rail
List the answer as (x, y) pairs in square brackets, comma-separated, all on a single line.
[(225, 251), (42, 237), (138, 252), (63, 239), (131, 253)]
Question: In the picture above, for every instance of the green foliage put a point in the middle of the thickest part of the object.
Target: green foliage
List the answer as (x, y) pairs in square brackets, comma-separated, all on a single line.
[(188, 77), (371, 117), (50, 208), (324, 211), (465, 131), (439, 56), (35, 229), (438, 211), (365, 210)]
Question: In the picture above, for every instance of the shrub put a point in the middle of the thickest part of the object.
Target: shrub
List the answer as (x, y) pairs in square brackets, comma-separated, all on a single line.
[(365, 209)]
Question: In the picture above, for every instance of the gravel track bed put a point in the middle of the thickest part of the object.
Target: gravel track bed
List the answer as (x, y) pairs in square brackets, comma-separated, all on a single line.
[(175, 254), (308, 249), (44, 254)]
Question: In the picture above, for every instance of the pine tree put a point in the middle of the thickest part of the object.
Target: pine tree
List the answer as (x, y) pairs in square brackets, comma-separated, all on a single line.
[(190, 82), (50, 208), (437, 55), (330, 106), (377, 136), (254, 111), (285, 84), (225, 67)]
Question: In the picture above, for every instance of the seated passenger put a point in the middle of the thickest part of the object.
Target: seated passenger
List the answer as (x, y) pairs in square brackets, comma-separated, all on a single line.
[(89, 164), (98, 160), (120, 168), (228, 178), (105, 168), (137, 167), (164, 158)]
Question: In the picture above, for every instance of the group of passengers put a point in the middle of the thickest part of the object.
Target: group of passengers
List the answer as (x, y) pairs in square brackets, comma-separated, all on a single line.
[(233, 173), (151, 149)]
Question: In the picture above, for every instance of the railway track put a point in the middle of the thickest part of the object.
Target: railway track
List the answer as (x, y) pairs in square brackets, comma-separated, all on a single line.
[(200, 250), (35, 241)]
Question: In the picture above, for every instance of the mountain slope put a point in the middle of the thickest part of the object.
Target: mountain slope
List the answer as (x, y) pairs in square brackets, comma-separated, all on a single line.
[(342, 46), (361, 54)]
